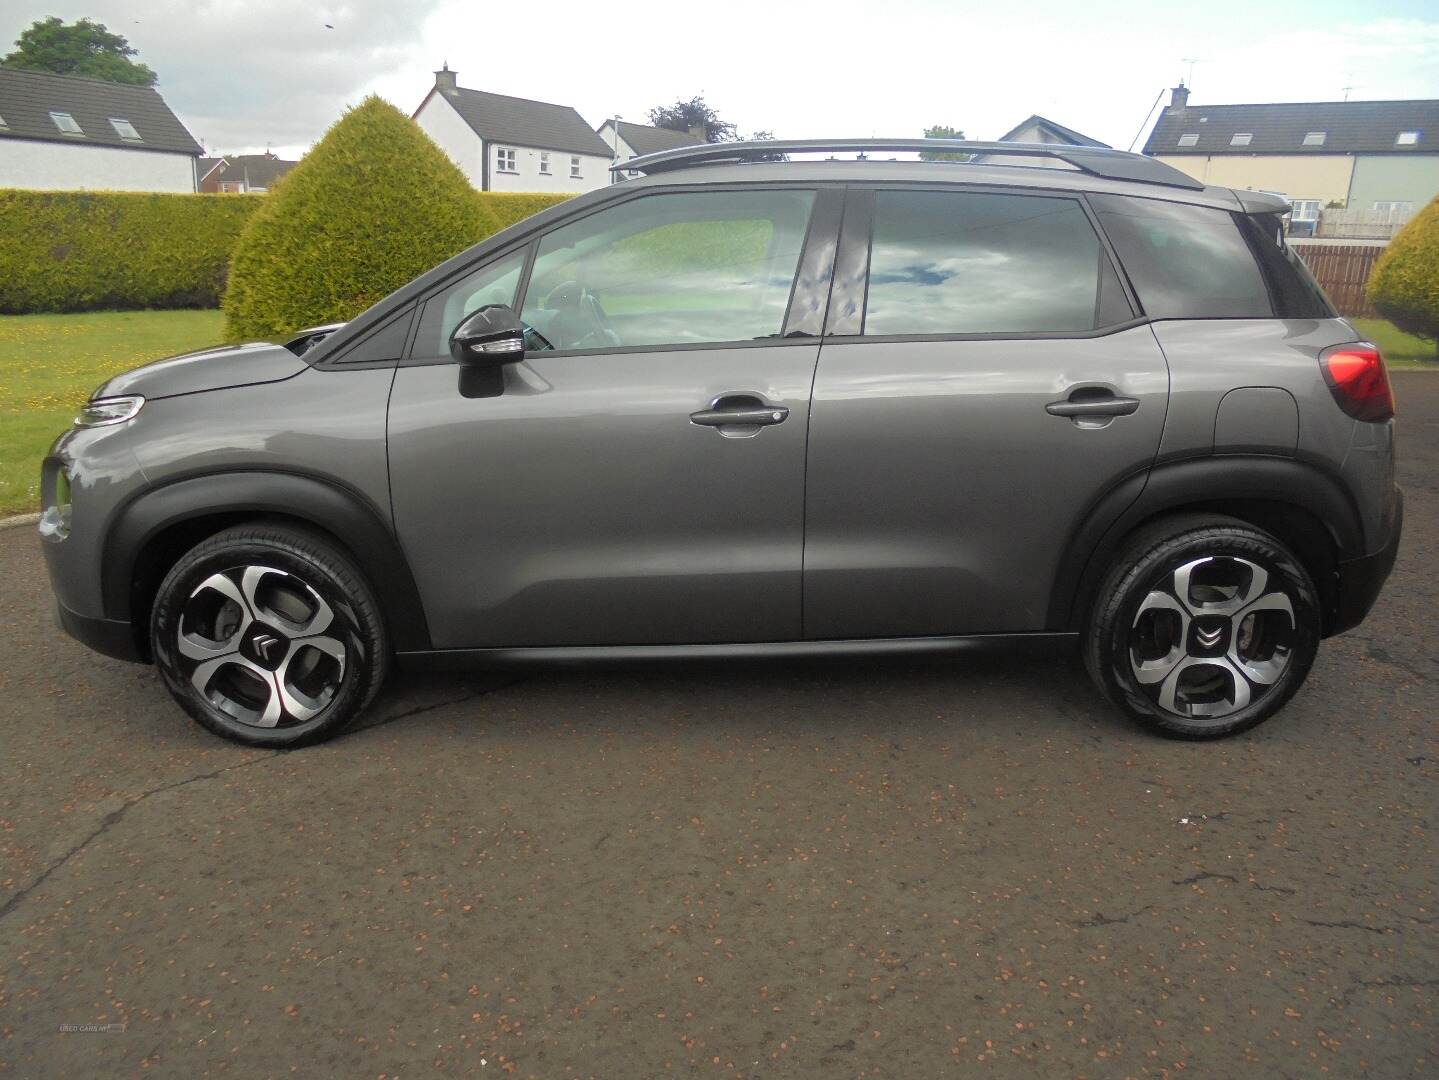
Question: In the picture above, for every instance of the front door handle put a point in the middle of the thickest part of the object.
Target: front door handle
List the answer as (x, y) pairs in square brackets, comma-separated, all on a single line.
[(740, 411), (1108, 405)]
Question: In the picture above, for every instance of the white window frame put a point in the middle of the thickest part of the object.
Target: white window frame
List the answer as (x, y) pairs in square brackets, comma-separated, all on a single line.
[(1407, 138), (117, 121), (1189, 139), (1315, 138), (1241, 138), (60, 119), (506, 159), (1393, 208), (575, 173), (1304, 209), (544, 163)]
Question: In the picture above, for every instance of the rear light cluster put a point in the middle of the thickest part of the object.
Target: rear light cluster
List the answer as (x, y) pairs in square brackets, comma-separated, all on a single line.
[(1358, 381)]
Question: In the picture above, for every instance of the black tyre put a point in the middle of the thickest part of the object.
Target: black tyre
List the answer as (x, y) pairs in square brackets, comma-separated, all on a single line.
[(268, 635), (1204, 626)]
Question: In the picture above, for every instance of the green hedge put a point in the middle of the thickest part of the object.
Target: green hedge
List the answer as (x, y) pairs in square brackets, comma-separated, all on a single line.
[(92, 250), (503, 208), (1404, 284)]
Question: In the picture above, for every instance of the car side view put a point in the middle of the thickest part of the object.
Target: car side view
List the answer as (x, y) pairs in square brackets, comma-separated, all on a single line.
[(747, 406)]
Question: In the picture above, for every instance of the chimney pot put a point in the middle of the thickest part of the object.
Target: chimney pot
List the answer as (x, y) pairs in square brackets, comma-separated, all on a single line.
[(1179, 96), (445, 78)]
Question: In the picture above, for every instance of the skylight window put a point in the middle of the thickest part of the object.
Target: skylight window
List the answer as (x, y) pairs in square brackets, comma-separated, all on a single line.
[(1242, 138), (1315, 138), (4, 126), (125, 130), (66, 123), (1407, 138), (1188, 140)]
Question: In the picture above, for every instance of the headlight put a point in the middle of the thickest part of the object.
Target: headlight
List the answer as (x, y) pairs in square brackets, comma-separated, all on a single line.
[(103, 411)]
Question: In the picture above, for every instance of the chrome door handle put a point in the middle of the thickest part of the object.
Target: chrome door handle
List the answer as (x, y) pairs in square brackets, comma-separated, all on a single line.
[(1103, 406)]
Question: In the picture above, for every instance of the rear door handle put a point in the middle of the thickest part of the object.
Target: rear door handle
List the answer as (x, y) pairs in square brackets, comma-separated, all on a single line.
[(1109, 405)]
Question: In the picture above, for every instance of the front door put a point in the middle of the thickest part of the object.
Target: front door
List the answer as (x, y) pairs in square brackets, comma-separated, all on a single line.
[(988, 386), (640, 477)]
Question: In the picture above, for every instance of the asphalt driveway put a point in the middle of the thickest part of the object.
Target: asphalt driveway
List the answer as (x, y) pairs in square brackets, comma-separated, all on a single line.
[(897, 868)]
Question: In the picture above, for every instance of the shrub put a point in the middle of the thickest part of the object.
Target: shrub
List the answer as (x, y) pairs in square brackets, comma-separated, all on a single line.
[(373, 204), (1404, 285), (90, 250), (504, 208)]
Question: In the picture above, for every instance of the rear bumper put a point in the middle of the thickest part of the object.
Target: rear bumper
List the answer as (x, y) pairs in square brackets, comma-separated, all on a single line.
[(1360, 580), (112, 637)]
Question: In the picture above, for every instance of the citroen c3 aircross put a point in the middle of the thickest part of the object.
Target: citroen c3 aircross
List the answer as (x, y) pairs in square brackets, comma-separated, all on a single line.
[(750, 405)]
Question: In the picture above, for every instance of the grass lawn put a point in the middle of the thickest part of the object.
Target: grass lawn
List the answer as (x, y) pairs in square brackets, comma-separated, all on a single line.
[(49, 364), (1400, 350)]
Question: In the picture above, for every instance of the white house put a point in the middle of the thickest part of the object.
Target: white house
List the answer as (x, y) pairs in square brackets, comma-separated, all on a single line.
[(63, 132), (513, 144), (627, 140)]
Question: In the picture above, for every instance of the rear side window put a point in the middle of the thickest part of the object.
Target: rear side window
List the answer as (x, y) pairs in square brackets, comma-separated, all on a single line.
[(1185, 262), (949, 262), (1292, 288)]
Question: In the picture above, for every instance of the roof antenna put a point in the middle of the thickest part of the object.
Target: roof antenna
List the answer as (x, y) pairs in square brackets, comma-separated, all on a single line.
[(1191, 61)]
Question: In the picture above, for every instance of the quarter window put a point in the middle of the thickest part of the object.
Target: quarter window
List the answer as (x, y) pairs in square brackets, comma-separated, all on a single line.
[(973, 263), (1186, 262), (505, 160), (674, 269), (493, 283)]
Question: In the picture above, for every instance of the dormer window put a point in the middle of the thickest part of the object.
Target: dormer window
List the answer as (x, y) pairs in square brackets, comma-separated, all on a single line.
[(1315, 138), (1188, 140), (1407, 138), (1242, 138), (125, 130), (66, 123)]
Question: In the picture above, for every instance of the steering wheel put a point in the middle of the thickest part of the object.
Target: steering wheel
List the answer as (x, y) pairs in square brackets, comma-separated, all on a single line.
[(581, 321)]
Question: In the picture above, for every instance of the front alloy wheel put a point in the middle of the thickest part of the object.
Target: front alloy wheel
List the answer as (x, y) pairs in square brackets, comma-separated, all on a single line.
[(268, 636), (1204, 627)]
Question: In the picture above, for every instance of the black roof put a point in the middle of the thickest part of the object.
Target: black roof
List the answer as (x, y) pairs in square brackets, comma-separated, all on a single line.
[(503, 119), (1350, 127), (644, 139), (27, 98)]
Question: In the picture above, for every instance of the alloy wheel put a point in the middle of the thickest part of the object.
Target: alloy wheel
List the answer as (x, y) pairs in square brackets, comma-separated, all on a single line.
[(1212, 637)]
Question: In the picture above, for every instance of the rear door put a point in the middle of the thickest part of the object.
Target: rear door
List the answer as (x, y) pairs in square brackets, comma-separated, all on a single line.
[(982, 382)]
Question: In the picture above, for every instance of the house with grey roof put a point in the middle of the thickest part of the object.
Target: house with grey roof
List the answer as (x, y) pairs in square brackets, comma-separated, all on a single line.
[(65, 132), (507, 143), (242, 174), (1372, 158), (627, 140)]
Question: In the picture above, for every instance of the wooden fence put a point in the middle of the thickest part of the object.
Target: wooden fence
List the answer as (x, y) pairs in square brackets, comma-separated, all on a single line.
[(1342, 268)]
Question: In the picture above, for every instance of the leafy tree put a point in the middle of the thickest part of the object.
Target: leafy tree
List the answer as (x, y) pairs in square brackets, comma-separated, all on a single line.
[(1404, 284), (940, 131), (372, 205), (694, 113), (80, 48)]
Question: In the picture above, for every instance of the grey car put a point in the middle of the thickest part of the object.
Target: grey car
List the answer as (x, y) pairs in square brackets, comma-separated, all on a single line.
[(753, 406)]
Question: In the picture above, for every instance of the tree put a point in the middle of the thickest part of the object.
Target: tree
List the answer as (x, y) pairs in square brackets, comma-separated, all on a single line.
[(1404, 284), (694, 113), (372, 205), (939, 131), (80, 48)]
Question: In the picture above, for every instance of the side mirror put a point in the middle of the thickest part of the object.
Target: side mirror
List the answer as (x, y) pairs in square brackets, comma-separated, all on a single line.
[(493, 335)]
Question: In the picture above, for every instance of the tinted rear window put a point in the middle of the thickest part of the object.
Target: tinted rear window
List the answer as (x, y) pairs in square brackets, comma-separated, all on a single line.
[(1185, 262)]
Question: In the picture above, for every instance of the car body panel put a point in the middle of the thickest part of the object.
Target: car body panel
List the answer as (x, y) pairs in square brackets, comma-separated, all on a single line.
[(209, 369)]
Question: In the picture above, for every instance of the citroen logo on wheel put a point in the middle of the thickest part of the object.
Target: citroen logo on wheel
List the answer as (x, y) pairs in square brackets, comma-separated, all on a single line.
[(1209, 638)]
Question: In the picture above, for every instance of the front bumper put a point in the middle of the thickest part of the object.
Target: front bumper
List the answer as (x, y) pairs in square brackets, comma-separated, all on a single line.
[(1360, 580), (112, 637)]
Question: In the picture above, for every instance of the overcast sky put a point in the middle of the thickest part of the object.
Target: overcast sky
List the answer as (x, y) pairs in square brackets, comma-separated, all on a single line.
[(246, 74)]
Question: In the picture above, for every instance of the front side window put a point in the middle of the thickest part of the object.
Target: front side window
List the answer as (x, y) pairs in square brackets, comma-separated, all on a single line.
[(979, 263), (671, 269), (493, 283), (505, 160), (1185, 261), (574, 168)]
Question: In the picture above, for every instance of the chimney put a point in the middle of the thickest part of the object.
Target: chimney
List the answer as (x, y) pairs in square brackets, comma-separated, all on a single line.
[(1179, 96), (699, 132), (445, 79)]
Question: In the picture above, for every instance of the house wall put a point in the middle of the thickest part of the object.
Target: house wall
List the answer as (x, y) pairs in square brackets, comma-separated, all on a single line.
[(594, 171), (1394, 178), (439, 120), (1299, 176), (52, 166)]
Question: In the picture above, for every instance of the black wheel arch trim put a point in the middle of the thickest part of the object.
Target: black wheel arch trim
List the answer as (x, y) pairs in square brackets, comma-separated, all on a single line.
[(357, 525), (1176, 485)]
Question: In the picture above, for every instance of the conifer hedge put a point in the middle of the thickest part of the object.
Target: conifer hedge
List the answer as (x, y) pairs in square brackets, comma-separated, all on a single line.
[(1404, 284)]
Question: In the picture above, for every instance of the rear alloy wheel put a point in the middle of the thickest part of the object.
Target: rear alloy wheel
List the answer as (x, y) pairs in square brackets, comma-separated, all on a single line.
[(1204, 627), (268, 636)]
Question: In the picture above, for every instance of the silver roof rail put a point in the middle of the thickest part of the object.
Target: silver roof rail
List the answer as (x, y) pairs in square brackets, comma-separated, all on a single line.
[(1096, 161)]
